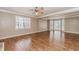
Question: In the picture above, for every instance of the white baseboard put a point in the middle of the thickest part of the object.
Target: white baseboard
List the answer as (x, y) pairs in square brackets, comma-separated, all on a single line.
[(72, 32), (5, 37)]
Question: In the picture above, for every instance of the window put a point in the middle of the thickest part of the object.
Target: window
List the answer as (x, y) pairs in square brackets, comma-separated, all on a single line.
[(63, 25), (51, 25), (23, 22), (57, 24)]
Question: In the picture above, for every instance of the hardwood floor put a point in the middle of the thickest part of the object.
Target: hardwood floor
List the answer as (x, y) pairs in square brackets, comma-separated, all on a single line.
[(44, 41)]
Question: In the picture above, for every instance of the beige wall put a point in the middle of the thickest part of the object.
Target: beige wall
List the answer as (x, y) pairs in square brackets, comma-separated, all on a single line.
[(72, 25), (8, 26)]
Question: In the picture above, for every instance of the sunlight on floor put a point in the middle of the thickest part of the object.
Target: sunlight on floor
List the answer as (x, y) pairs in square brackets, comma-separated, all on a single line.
[(23, 44)]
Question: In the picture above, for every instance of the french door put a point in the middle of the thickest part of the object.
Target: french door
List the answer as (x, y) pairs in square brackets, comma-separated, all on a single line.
[(57, 25)]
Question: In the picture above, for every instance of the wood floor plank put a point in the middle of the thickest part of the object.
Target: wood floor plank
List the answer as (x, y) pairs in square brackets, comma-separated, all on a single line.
[(44, 41)]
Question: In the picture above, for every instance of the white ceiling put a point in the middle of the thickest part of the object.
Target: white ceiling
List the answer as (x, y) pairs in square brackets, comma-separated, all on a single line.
[(29, 10)]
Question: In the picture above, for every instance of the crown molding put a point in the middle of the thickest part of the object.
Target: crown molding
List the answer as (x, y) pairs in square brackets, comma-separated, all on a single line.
[(61, 12), (13, 12), (52, 14)]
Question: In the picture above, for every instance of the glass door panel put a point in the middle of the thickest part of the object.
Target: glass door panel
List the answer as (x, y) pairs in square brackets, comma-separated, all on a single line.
[(51, 25), (57, 25), (62, 25)]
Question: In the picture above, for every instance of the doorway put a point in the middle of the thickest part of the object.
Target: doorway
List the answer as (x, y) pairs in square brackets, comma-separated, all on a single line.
[(57, 25)]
